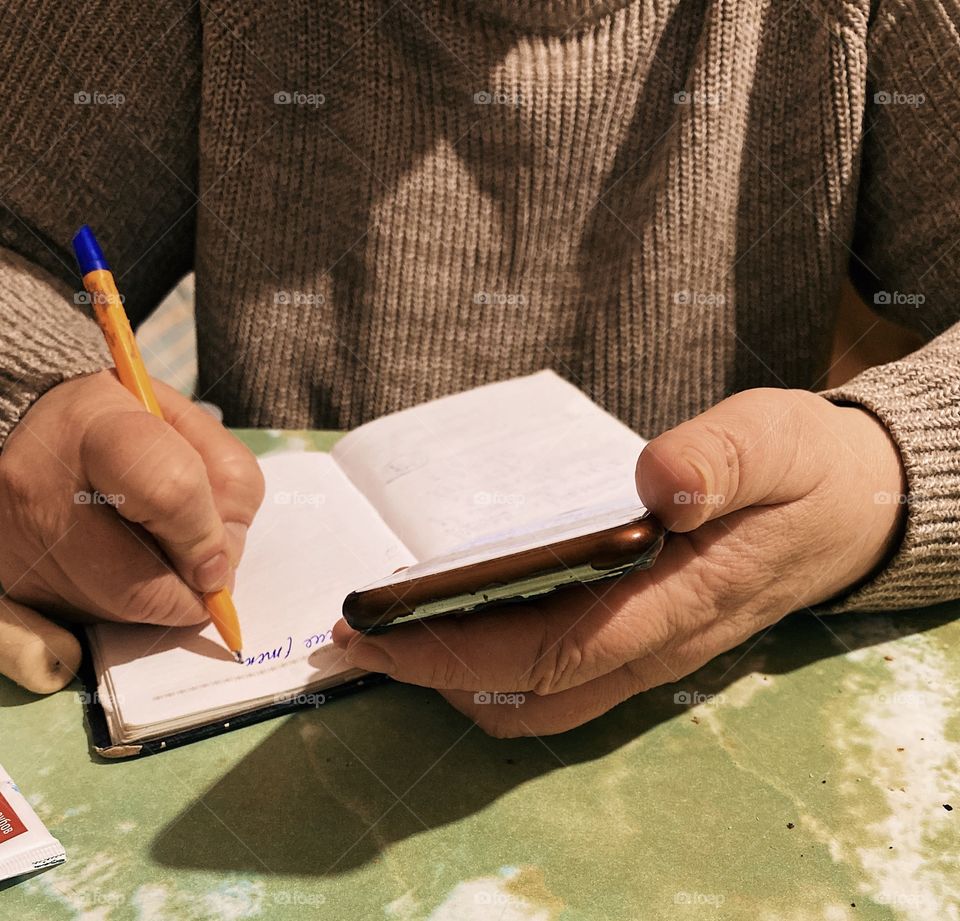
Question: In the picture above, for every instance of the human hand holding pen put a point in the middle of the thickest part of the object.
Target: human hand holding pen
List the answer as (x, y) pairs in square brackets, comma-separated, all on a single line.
[(184, 492)]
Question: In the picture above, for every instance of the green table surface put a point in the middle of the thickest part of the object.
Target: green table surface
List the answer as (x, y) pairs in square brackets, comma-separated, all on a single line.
[(804, 775)]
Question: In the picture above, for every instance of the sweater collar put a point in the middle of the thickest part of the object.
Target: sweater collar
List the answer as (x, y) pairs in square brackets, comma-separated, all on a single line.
[(548, 15)]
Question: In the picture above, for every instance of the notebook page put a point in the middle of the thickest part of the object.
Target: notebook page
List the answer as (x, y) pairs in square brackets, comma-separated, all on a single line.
[(512, 458), (517, 540), (315, 539)]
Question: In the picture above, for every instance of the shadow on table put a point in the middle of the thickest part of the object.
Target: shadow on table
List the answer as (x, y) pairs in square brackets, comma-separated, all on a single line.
[(12, 695), (334, 787)]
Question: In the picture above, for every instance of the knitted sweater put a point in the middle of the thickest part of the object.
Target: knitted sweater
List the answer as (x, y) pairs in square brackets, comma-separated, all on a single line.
[(385, 201)]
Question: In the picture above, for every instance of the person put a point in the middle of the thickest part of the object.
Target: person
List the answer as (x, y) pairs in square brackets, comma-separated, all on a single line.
[(387, 202)]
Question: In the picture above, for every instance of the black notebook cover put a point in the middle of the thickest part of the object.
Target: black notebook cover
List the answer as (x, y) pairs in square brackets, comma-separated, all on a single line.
[(105, 747)]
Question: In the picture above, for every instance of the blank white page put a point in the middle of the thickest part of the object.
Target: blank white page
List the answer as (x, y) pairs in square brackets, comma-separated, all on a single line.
[(315, 539), (515, 457)]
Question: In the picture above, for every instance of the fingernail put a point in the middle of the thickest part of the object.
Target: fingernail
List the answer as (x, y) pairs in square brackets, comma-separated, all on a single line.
[(364, 654), (212, 574), (211, 409)]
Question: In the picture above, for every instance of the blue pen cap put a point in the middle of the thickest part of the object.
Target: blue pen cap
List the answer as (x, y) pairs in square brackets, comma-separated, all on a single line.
[(87, 251)]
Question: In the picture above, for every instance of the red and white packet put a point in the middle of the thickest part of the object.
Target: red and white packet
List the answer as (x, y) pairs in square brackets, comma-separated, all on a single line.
[(25, 844)]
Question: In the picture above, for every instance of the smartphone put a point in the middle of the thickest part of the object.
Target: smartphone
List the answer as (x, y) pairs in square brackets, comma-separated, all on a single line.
[(505, 570)]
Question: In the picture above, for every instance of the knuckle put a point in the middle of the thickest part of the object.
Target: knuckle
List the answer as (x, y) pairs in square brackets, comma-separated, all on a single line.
[(556, 665), (237, 473), (16, 483), (180, 480), (711, 579), (729, 573), (668, 612), (441, 657), (30, 516), (444, 670), (728, 586), (159, 601), (806, 401), (640, 675)]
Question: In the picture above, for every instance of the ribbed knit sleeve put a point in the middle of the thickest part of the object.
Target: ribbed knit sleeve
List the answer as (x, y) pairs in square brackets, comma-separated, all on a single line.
[(44, 337), (99, 126), (907, 265)]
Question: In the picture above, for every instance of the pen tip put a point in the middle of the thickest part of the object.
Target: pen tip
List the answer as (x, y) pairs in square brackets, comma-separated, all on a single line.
[(238, 656)]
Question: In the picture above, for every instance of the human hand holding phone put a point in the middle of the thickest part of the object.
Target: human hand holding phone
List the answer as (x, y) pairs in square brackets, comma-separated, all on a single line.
[(772, 496)]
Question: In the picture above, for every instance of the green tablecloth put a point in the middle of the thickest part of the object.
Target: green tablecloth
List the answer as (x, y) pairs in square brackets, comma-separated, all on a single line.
[(805, 775)]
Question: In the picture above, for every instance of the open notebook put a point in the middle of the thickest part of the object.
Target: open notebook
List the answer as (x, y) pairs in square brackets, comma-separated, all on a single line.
[(505, 463)]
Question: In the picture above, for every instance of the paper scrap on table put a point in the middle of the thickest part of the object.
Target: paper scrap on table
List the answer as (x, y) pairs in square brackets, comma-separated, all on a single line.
[(25, 844)]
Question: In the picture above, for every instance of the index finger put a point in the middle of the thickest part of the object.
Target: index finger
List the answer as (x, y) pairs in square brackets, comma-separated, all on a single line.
[(158, 480), (232, 470)]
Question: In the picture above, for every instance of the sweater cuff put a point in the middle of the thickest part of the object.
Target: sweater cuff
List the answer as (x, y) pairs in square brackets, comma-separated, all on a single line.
[(918, 400), (45, 337)]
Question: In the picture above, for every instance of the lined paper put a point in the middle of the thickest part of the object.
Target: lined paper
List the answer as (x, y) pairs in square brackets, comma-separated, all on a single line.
[(314, 540)]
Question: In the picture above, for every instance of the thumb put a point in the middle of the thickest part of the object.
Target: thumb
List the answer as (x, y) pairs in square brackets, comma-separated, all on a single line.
[(34, 652), (754, 448)]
